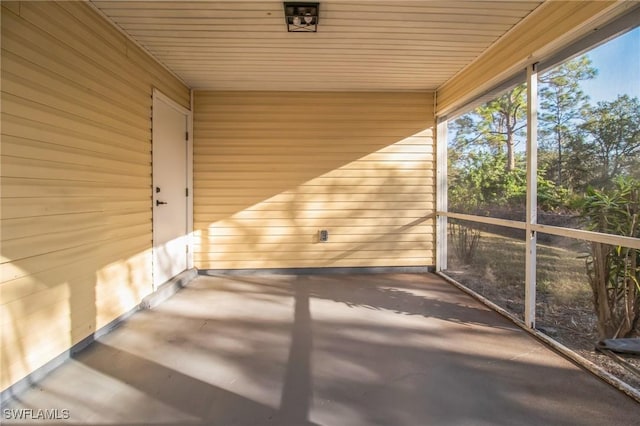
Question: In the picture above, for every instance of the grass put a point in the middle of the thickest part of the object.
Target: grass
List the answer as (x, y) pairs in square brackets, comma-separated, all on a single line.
[(563, 293), (564, 308)]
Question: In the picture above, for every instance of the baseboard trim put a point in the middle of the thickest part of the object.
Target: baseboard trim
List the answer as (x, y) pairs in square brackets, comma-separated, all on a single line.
[(321, 271), (161, 294), (168, 289)]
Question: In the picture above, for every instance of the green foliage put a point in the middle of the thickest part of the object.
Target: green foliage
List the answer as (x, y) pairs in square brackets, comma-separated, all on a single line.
[(482, 181), (612, 139), (580, 145), (552, 197), (614, 271), (613, 211)]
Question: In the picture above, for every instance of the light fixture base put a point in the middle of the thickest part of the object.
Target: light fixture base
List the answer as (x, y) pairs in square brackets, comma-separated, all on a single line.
[(301, 17)]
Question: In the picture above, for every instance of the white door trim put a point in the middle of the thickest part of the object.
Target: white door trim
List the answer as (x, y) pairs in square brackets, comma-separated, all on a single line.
[(190, 237), (157, 95)]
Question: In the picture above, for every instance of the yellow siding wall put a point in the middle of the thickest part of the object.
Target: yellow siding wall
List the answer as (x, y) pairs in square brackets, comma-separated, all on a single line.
[(271, 169), (550, 27), (75, 178)]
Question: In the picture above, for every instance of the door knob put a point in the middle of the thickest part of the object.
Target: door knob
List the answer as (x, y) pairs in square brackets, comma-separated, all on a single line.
[(160, 202)]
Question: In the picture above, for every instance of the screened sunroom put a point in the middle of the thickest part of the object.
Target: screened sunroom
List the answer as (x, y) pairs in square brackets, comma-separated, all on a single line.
[(335, 212)]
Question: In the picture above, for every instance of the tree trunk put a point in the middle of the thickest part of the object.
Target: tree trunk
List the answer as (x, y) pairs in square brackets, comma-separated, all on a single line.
[(559, 139), (599, 278), (631, 312), (615, 298), (511, 155)]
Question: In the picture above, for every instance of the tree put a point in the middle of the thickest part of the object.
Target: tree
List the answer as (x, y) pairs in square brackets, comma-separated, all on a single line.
[(612, 139), (579, 163), (495, 125), (562, 104)]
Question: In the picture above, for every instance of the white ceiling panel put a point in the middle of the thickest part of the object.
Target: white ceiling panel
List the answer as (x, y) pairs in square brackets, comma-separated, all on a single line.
[(360, 45)]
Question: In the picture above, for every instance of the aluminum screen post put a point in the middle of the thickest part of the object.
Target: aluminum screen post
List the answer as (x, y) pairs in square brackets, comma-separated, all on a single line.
[(441, 194), (532, 197)]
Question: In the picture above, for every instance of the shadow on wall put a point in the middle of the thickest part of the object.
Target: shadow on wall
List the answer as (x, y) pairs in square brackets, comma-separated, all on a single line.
[(371, 195), (75, 206), (48, 310), (357, 164), (76, 178), (268, 176)]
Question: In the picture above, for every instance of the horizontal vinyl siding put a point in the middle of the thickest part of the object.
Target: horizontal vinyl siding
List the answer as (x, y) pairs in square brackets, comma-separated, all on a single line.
[(271, 169), (76, 178), (550, 27)]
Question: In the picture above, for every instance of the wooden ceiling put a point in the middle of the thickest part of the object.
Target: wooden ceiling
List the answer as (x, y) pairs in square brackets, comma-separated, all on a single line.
[(360, 45)]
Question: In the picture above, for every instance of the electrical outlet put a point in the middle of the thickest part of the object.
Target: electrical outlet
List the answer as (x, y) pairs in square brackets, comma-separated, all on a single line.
[(323, 235)]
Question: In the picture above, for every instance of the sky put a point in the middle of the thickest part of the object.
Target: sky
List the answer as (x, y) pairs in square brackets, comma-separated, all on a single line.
[(618, 64)]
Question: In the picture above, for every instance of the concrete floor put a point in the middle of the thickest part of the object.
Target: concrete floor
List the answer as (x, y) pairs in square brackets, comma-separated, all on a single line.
[(390, 349)]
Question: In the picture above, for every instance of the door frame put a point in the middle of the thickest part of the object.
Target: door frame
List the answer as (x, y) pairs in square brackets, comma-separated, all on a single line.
[(158, 96)]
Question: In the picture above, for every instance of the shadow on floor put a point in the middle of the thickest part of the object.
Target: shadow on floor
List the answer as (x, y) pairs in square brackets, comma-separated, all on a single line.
[(209, 404), (402, 349)]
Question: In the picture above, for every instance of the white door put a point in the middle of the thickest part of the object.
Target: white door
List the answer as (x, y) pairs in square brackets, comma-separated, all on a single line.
[(170, 185)]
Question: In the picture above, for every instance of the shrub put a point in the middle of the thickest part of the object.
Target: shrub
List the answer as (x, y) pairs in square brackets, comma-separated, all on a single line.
[(614, 271), (465, 242)]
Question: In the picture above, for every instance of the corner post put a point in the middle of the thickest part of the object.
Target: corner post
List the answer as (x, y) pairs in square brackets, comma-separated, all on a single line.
[(441, 194), (532, 196)]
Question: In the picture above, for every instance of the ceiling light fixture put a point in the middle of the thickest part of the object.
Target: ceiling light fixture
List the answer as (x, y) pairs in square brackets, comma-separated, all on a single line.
[(301, 17)]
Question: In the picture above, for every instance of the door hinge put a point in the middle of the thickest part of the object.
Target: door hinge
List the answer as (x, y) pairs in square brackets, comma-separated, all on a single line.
[(186, 192), (186, 248), (186, 136)]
